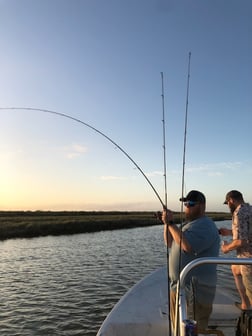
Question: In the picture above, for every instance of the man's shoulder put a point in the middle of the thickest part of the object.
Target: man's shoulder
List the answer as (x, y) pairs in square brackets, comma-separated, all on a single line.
[(203, 221), (206, 219), (245, 209)]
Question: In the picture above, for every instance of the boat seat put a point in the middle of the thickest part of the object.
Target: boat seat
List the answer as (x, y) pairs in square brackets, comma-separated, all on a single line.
[(210, 332)]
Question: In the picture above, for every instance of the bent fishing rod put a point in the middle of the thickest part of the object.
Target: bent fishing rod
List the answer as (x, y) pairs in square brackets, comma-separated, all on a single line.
[(97, 131)]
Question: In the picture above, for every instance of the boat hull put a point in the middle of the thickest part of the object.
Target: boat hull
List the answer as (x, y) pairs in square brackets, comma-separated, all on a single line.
[(142, 310)]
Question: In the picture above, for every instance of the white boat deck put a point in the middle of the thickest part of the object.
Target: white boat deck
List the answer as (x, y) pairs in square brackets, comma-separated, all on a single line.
[(143, 311)]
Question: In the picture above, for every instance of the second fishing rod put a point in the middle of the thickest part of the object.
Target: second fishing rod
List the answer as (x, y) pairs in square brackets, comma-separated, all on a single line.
[(168, 236)]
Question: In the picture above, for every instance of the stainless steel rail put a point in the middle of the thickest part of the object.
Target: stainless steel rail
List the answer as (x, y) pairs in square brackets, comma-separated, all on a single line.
[(188, 268)]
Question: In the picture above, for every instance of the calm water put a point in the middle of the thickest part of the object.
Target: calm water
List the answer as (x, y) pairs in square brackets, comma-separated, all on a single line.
[(66, 285)]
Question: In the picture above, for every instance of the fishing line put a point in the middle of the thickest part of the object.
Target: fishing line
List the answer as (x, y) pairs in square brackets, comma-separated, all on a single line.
[(182, 192), (97, 131), (165, 191)]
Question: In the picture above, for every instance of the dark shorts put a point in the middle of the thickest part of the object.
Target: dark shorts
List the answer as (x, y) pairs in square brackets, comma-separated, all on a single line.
[(197, 311)]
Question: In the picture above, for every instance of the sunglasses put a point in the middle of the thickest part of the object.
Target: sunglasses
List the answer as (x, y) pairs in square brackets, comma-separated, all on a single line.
[(190, 204)]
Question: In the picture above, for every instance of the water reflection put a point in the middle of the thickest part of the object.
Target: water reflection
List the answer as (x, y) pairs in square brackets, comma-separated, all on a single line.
[(67, 285)]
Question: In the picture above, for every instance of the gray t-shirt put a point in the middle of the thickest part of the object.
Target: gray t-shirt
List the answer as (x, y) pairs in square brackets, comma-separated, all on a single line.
[(202, 234)]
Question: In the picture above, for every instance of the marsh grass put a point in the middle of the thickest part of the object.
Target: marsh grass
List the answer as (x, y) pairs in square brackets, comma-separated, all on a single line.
[(25, 224)]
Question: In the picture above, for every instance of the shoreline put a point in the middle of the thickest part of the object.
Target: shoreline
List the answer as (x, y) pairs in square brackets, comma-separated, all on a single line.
[(30, 224)]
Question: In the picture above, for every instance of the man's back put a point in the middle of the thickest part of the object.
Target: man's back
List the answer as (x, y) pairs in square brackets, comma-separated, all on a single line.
[(242, 229)]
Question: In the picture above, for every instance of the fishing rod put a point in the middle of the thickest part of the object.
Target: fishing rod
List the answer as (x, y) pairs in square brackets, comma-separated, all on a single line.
[(164, 140), (176, 332), (97, 131), (165, 196), (185, 130)]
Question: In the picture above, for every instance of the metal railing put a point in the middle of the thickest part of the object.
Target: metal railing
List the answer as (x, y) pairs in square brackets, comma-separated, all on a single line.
[(187, 269)]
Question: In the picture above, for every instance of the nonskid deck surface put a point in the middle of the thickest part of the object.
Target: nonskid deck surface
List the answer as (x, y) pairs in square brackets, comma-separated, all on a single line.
[(225, 313), (143, 311)]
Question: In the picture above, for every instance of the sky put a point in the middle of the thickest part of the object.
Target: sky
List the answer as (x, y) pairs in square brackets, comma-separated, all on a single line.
[(98, 63)]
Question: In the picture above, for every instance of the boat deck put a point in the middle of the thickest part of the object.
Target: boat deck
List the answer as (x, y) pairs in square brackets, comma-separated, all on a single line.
[(225, 313), (143, 310)]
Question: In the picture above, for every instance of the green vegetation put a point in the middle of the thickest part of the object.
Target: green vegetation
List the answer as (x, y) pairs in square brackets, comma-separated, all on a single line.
[(25, 224)]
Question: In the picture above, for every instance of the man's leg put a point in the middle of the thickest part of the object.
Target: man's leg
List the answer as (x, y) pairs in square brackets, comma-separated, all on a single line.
[(236, 270), (199, 304), (172, 307), (246, 271), (201, 313)]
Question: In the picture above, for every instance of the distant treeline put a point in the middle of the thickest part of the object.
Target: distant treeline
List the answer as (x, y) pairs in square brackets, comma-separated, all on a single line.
[(27, 224)]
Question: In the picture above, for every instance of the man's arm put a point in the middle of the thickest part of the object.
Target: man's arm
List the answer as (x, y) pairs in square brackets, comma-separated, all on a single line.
[(227, 247), (225, 232), (172, 232)]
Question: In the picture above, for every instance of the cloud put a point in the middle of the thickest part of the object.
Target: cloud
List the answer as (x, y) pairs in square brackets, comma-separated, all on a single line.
[(74, 150), (211, 169), (215, 169), (110, 177), (155, 173), (8, 153)]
